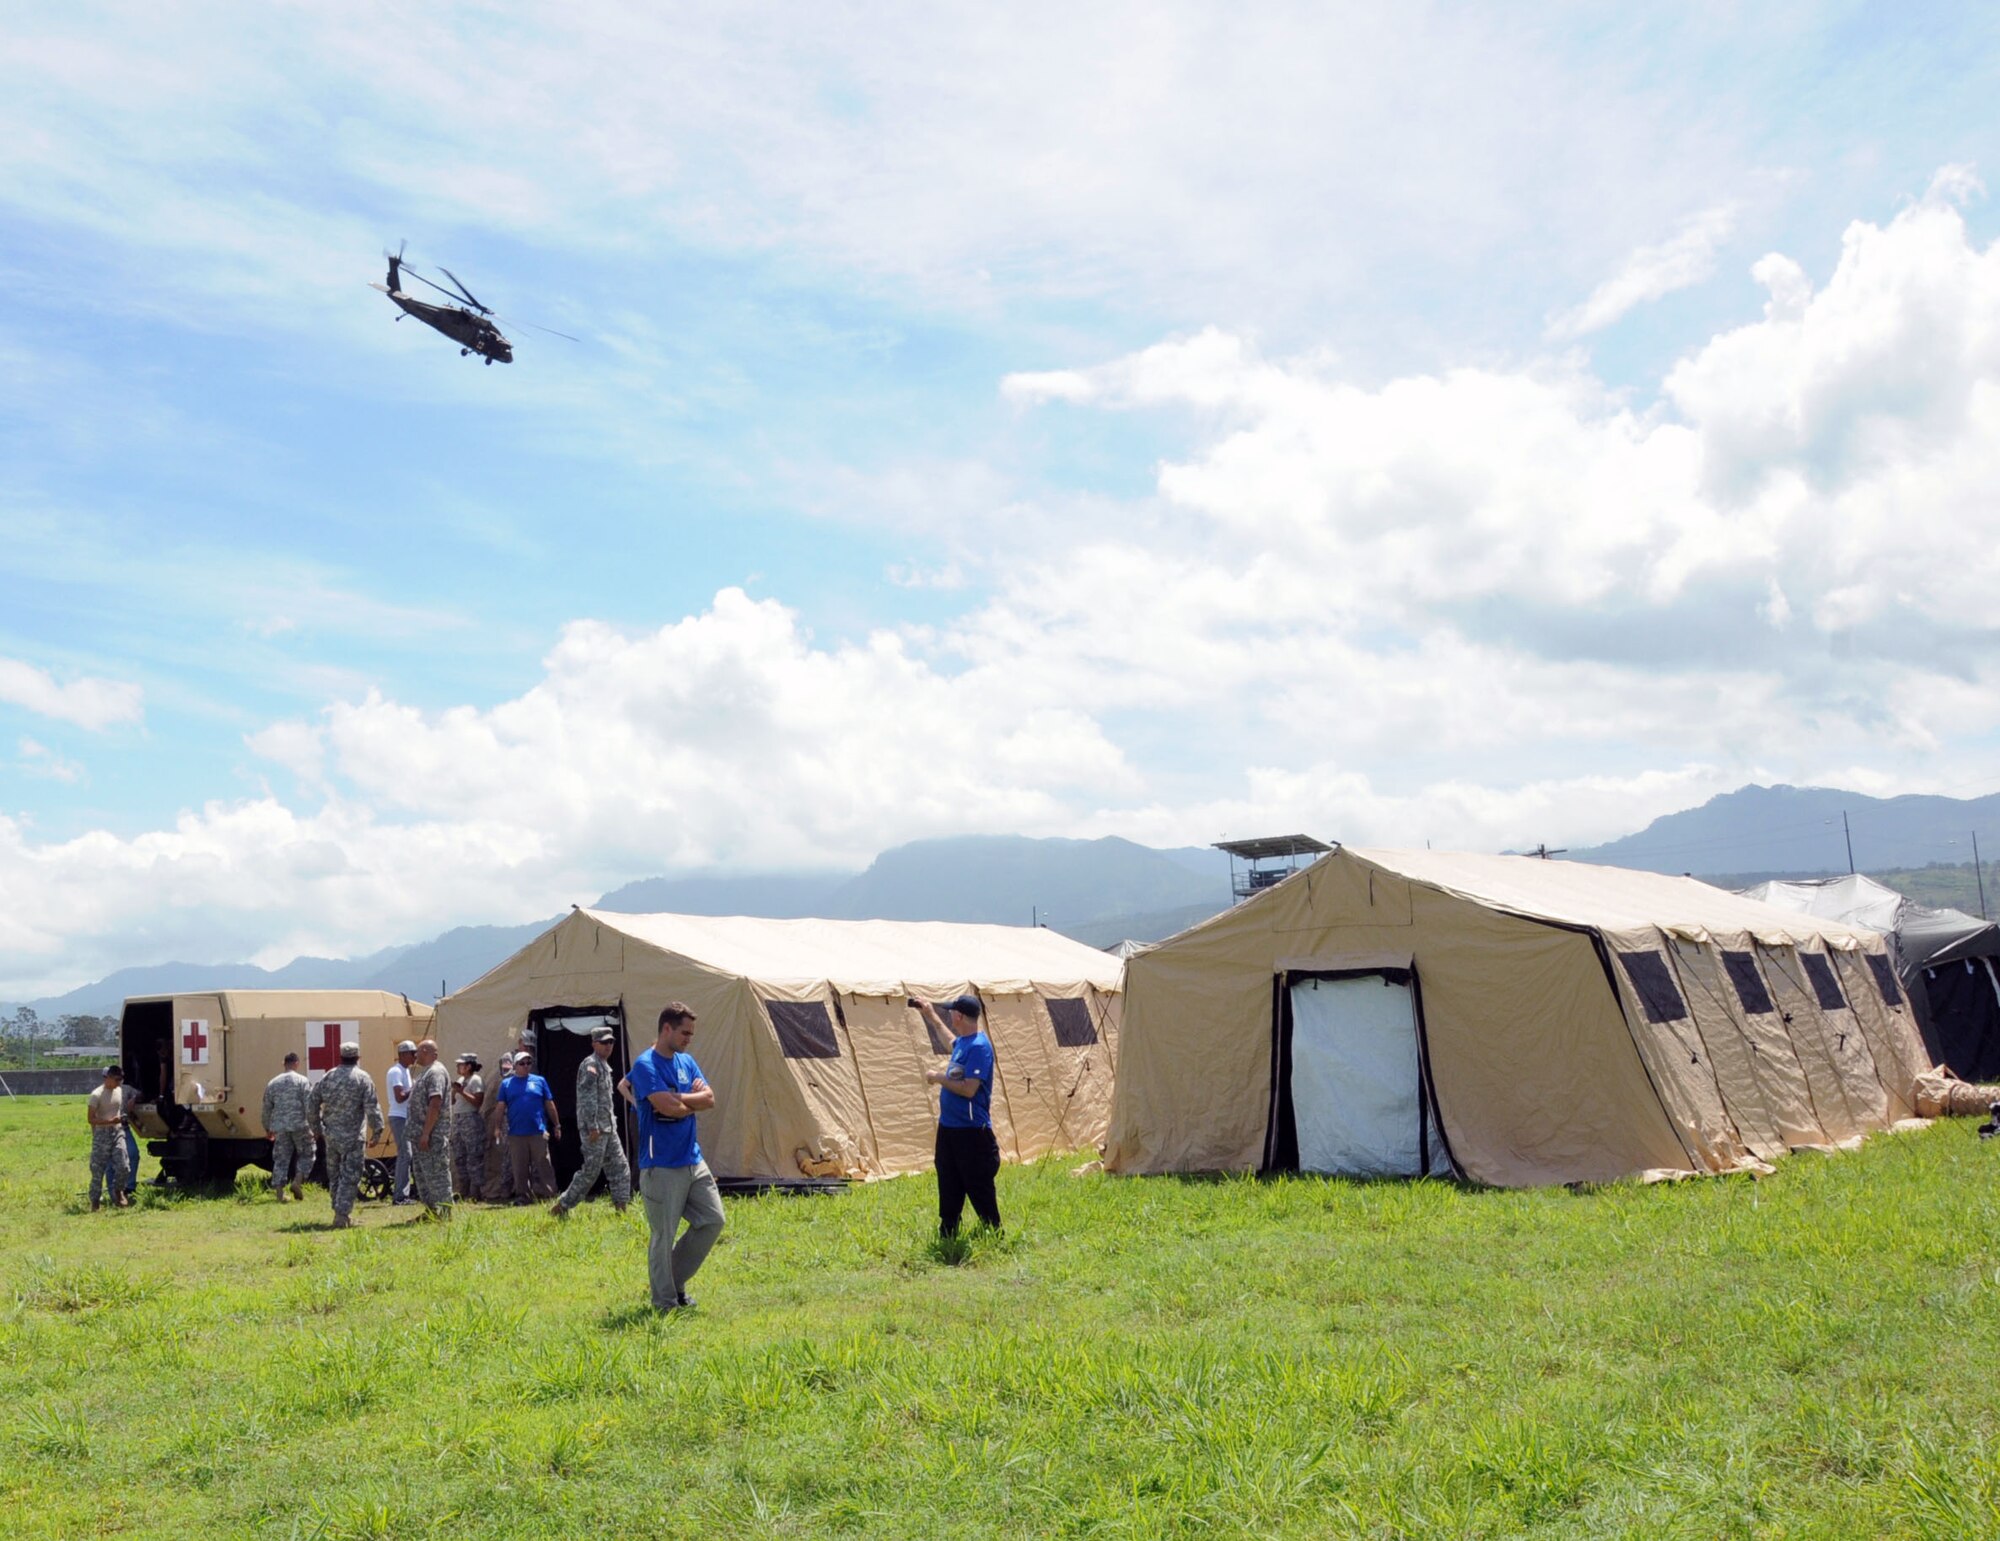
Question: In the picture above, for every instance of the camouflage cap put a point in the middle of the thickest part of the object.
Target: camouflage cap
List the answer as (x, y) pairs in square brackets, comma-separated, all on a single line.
[(604, 1035), (406, 1047), (350, 1051)]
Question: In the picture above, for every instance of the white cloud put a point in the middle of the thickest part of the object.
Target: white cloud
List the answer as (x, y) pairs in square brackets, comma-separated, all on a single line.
[(86, 701), (1483, 606), (1455, 814), (728, 736), (1154, 152), (914, 575), (1686, 258), (38, 760)]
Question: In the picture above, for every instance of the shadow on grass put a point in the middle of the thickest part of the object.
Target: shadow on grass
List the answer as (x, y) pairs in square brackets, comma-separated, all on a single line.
[(638, 1314), (967, 1249)]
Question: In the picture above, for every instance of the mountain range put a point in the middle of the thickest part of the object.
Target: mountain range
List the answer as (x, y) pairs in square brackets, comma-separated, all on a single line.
[(1798, 831), (1098, 891), (1104, 891)]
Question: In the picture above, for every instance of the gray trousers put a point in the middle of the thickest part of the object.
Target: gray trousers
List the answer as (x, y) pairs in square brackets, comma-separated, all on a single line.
[(107, 1159), (604, 1154), (291, 1156), (534, 1177), (673, 1194), (399, 1190)]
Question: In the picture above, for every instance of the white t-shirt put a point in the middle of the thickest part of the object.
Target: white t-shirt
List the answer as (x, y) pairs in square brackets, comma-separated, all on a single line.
[(399, 1075)]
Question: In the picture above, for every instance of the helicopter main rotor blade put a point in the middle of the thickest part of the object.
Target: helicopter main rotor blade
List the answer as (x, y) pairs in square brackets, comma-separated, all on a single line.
[(533, 327), (413, 273), (483, 310)]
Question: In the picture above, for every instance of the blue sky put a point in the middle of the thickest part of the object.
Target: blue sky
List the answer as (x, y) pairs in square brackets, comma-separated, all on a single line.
[(1416, 422)]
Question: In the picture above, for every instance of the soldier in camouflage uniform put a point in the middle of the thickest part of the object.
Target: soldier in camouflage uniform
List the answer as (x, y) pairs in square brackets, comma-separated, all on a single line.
[(106, 1108), (430, 1130), (597, 1123), (468, 1128), (288, 1125), (347, 1117)]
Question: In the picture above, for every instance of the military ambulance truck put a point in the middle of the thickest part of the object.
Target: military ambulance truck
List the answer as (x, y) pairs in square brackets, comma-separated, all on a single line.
[(199, 1063)]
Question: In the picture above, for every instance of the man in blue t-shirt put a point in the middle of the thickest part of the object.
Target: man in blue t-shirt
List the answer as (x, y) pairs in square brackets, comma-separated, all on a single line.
[(532, 1120), (967, 1155), (675, 1184)]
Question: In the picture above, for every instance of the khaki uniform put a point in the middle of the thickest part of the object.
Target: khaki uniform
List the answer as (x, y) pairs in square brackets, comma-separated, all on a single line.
[(347, 1116), (430, 1170), (108, 1156), (597, 1109), (468, 1138), (287, 1116)]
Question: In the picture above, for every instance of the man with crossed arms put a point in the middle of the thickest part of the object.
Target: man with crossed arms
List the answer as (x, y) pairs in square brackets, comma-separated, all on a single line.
[(674, 1181)]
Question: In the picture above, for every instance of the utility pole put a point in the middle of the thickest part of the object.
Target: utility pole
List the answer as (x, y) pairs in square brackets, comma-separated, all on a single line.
[(1850, 841), (1980, 873), (1543, 851)]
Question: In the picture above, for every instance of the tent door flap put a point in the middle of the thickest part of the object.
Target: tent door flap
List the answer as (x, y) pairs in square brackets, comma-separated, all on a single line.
[(1357, 1086)]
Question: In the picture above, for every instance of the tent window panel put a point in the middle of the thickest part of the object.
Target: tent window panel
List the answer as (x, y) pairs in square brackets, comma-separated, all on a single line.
[(805, 1029), (1658, 994), (1749, 983), (1071, 1019), (1885, 978), (1819, 969)]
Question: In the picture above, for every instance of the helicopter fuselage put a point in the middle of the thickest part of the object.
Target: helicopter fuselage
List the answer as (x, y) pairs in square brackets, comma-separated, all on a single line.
[(470, 330)]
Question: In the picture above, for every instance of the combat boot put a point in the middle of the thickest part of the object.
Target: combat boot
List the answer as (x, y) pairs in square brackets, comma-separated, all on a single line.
[(299, 1192)]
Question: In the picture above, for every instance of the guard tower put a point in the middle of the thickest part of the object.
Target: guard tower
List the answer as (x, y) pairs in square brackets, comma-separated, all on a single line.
[(1259, 860)]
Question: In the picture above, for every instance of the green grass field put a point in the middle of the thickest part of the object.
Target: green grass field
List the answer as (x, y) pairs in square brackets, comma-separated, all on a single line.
[(1811, 1355)]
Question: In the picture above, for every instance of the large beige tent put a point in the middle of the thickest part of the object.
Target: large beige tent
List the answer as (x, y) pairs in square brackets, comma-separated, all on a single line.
[(816, 1059), (1514, 1020)]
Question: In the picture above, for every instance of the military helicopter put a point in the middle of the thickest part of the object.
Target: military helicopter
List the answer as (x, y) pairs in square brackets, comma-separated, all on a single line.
[(471, 325)]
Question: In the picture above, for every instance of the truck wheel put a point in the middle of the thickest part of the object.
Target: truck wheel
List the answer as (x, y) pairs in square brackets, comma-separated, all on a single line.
[(376, 1179)]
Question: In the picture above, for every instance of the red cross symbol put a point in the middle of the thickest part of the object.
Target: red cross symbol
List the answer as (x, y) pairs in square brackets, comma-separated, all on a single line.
[(194, 1040), (325, 1053)]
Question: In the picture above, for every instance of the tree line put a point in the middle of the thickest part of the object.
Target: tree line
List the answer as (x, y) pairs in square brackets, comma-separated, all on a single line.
[(25, 1038)]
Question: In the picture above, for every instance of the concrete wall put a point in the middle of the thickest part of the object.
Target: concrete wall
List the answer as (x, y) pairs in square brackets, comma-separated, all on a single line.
[(51, 1083)]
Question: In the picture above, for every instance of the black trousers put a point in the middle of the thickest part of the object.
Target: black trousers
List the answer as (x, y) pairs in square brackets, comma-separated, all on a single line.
[(967, 1162)]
